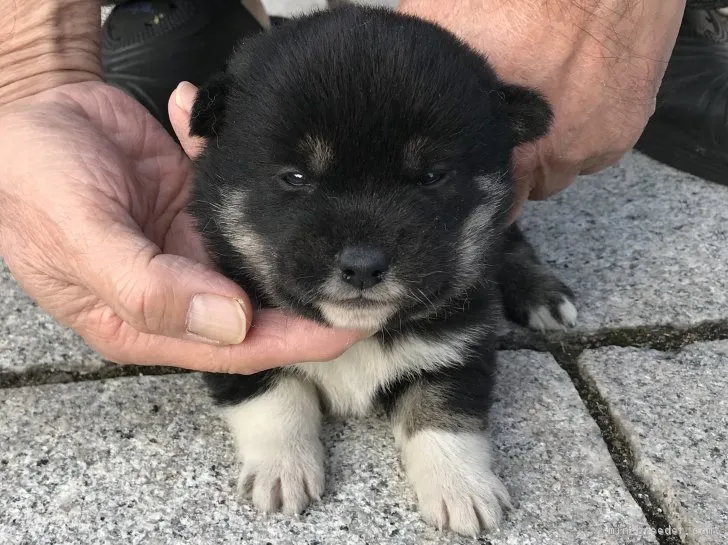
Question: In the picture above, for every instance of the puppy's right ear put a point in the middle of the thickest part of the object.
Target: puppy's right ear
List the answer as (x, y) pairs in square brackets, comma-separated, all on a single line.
[(208, 110), (529, 113)]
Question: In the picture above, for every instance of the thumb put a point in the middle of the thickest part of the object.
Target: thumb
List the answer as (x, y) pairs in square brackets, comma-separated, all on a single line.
[(164, 294)]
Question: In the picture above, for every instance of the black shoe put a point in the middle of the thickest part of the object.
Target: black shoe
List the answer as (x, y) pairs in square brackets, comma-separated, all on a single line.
[(148, 47), (689, 130)]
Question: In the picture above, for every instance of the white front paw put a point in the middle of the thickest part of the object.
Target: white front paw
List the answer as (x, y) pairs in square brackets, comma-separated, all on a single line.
[(277, 438), (283, 477), (455, 487)]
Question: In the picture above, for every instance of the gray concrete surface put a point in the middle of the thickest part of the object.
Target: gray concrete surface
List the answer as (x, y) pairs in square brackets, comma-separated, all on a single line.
[(292, 7), (30, 341), (145, 460), (672, 406), (640, 244)]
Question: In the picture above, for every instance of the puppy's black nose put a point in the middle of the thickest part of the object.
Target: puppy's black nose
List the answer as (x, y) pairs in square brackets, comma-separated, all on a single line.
[(363, 266)]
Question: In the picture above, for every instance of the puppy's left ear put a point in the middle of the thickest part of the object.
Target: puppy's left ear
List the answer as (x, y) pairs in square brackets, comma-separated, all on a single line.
[(529, 113), (208, 110)]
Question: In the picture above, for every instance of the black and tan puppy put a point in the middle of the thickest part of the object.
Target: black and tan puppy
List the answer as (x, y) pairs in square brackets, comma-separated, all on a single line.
[(358, 172)]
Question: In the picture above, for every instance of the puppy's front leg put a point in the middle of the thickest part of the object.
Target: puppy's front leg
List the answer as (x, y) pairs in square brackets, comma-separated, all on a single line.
[(439, 425), (533, 296), (277, 438)]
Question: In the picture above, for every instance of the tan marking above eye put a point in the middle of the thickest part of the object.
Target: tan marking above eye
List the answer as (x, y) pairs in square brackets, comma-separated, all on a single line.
[(319, 154), (412, 153)]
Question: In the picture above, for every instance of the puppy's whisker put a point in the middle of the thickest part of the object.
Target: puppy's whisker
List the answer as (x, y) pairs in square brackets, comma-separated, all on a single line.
[(432, 273), (427, 299)]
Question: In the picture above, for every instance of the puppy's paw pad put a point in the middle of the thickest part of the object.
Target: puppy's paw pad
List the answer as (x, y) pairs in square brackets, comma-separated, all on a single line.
[(559, 315), (286, 483)]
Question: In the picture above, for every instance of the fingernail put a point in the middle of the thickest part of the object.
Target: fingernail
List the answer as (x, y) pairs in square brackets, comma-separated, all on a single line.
[(217, 319), (184, 96)]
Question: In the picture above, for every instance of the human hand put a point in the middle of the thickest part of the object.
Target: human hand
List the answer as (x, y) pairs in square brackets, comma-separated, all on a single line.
[(598, 62), (92, 192)]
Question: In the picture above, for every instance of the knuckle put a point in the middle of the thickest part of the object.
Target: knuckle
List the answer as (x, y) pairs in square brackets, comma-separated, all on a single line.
[(111, 351), (228, 360), (110, 338), (143, 305)]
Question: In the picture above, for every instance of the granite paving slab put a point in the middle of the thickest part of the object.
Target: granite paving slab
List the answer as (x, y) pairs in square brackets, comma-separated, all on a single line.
[(288, 8), (144, 460), (294, 7), (672, 408), (641, 244), (31, 341)]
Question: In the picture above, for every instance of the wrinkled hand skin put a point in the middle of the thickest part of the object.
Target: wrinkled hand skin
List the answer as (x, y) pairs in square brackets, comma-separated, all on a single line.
[(92, 191), (598, 62)]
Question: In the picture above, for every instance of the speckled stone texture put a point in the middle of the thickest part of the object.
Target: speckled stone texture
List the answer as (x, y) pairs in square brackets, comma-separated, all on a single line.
[(673, 410), (640, 244), (288, 8), (295, 7), (144, 460), (31, 341)]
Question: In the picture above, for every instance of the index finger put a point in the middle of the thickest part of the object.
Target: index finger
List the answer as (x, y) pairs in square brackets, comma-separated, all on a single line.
[(180, 107)]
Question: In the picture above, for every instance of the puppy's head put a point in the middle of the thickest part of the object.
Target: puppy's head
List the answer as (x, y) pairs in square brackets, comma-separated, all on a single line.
[(357, 166)]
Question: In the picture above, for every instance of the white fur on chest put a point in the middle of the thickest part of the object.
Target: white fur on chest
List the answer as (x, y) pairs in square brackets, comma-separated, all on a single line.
[(351, 381)]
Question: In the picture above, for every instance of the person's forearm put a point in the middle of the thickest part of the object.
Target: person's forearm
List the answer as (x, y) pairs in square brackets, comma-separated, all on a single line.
[(46, 43)]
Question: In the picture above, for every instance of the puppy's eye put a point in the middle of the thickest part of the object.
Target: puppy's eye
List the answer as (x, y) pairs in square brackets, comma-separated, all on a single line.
[(434, 177), (295, 179)]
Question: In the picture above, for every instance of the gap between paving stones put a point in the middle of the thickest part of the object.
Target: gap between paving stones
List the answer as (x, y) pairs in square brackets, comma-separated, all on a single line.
[(617, 445), (567, 351), (658, 337), (36, 377), (664, 338)]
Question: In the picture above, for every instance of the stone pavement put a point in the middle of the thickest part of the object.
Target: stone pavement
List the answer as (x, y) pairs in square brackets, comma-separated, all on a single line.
[(614, 433)]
